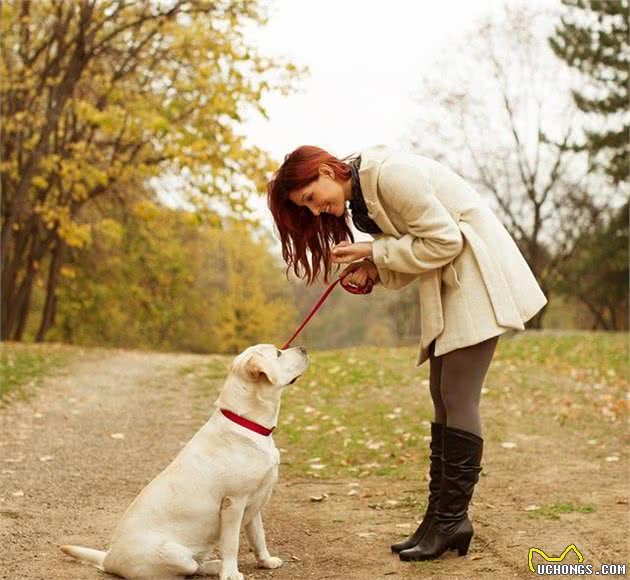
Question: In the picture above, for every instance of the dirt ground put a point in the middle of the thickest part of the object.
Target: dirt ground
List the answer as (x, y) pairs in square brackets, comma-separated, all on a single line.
[(74, 456)]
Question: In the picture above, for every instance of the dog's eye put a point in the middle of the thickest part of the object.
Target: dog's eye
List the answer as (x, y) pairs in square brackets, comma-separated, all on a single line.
[(279, 353)]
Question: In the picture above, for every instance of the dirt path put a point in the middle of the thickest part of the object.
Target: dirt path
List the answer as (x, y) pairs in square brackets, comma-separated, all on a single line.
[(74, 456)]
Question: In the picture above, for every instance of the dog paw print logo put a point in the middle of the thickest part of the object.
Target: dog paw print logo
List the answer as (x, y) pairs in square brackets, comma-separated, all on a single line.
[(569, 548)]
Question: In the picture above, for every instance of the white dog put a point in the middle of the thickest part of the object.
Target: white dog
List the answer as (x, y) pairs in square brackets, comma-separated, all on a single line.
[(218, 482)]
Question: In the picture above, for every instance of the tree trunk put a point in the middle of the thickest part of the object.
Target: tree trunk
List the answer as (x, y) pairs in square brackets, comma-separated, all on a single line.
[(50, 307), (21, 304), (19, 259), (17, 299), (598, 315)]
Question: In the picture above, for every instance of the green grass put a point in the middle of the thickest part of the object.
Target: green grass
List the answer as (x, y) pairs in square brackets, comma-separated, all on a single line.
[(576, 379), (366, 411), (553, 511), (592, 354), (22, 367)]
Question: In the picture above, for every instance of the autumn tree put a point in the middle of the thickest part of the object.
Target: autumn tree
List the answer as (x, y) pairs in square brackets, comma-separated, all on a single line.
[(161, 278), (592, 38), (97, 97), (597, 275), (498, 110), (253, 302)]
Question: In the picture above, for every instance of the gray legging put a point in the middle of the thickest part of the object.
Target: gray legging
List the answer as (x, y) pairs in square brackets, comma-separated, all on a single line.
[(455, 380)]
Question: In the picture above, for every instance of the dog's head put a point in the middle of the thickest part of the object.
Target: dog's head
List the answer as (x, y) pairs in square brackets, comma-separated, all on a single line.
[(256, 379), (265, 365)]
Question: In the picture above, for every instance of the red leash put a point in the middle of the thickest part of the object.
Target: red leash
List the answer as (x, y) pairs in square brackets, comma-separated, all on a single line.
[(348, 287)]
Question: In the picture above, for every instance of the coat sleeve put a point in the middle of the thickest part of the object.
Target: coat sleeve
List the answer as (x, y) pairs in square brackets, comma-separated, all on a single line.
[(433, 238), (393, 280)]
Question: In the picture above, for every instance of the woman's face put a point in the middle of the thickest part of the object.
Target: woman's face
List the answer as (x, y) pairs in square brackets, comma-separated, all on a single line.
[(324, 195)]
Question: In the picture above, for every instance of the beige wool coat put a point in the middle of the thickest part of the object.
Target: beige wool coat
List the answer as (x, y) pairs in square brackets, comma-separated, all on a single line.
[(472, 279)]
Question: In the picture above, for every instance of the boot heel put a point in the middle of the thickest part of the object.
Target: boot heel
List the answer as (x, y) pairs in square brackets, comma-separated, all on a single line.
[(462, 549)]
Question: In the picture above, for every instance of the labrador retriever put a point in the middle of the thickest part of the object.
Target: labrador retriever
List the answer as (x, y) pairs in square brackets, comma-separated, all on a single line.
[(218, 483)]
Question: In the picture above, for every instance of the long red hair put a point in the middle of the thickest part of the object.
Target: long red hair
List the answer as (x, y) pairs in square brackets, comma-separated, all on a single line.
[(302, 233)]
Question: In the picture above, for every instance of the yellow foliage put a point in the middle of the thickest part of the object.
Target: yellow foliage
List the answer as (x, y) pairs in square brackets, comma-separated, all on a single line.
[(39, 182), (76, 235), (111, 229), (145, 210), (68, 272), (177, 109)]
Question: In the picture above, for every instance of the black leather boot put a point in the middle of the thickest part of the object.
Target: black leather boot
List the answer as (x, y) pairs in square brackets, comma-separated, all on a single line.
[(450, 527), (435, 478)]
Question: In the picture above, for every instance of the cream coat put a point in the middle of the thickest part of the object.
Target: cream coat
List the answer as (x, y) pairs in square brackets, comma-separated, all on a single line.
[(473, 281)]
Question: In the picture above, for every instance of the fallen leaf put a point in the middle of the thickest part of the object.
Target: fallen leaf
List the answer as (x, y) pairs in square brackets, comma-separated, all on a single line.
[(117, 435), (18, 493), (508, 445), (532, 507), (46, 457)]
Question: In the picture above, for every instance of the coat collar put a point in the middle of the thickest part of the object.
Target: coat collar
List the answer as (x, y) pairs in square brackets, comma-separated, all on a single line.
[(371, 162)]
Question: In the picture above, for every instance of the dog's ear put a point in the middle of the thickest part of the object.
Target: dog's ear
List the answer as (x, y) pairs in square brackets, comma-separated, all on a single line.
[(258, 368)]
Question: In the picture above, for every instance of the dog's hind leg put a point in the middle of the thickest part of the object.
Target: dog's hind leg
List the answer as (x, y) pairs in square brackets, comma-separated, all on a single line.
[(176, 560), (210, 567)]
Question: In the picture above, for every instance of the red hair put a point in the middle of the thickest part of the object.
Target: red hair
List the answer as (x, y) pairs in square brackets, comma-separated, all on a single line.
[(300, 231)]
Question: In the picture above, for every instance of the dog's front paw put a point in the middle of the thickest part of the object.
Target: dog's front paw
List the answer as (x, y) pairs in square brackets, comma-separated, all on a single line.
[(270, 563), (232, 576)]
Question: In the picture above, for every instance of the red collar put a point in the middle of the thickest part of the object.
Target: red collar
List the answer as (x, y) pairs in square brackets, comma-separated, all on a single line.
[(247, 423)]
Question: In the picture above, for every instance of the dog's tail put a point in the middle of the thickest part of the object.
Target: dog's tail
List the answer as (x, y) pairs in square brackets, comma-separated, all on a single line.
[(96, 557)]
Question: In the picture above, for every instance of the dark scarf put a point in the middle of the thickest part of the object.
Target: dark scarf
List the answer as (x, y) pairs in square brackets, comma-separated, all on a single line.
[(359, 211)]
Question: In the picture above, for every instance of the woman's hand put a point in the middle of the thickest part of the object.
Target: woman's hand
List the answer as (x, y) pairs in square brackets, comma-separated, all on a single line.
[(345, 252), (358, 273)]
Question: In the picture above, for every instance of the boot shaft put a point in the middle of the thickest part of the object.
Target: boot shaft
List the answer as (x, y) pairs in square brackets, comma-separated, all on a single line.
[(461, 466), (435, 466)]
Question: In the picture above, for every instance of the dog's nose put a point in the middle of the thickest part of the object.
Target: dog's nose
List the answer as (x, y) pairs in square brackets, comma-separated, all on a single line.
[(302, 349)]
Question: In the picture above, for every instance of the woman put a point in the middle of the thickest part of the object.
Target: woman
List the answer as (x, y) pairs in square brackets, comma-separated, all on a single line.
[(431, 227)]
